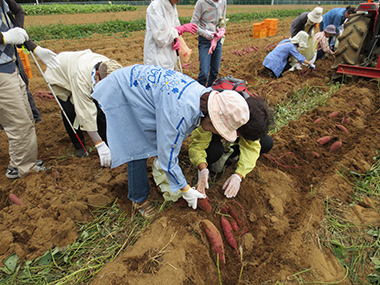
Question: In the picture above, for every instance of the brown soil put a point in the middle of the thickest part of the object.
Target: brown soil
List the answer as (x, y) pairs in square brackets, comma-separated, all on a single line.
[(283, 197)]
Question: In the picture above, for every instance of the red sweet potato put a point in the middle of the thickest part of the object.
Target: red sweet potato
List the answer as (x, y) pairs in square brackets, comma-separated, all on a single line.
[(357, 112), (334, 114), (215, 240), (225, 209), (15, 199), (228, 234), (324, 140), (342, 128), (345, 121), (318, 120), (234, 225), (204, 204), (315, 154), (336, 145)]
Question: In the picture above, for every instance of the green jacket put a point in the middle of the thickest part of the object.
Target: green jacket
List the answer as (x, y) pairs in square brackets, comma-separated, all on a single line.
[(249, 151)]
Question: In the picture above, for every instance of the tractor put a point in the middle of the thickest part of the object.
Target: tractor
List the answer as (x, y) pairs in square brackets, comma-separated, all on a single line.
[(358, 50)]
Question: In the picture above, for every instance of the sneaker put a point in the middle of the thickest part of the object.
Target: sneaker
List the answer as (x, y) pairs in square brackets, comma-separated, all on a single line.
[(146, 209), (39, 166), (81, 153), (12, 172)]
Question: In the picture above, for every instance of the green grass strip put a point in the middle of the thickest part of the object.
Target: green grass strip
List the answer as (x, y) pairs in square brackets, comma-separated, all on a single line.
[(56, 9), (61, 31)]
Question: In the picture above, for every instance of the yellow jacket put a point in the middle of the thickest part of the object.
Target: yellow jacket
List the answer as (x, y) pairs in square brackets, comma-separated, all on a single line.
[(249, 151)]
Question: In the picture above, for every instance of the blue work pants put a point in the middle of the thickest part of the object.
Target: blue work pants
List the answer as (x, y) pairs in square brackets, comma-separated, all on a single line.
[(138, 182), (209, 64)]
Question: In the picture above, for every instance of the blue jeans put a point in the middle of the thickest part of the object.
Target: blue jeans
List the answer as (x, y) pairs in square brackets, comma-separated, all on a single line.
[(208, 63), (138, 182)]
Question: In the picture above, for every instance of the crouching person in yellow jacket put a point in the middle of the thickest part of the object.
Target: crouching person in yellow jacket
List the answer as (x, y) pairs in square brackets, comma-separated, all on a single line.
[(210, 151)]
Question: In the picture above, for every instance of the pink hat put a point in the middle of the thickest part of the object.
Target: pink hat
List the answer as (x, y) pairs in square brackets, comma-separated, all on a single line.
[(228, 111)]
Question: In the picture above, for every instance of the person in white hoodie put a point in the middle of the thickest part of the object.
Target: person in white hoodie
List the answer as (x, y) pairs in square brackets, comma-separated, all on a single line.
[(162, 30)]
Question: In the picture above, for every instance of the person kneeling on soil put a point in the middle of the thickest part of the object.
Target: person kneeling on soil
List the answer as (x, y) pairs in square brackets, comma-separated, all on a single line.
[(322, 38), (73, 83), (150, 112), (209, 149), (278, 60)]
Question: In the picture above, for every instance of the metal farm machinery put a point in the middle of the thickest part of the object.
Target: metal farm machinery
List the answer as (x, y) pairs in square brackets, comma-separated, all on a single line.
[(359, 45)]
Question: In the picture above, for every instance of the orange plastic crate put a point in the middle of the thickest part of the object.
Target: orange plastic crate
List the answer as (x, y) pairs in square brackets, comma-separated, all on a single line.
[(25, 62), (258, 30), (272, 32), (271, 23)]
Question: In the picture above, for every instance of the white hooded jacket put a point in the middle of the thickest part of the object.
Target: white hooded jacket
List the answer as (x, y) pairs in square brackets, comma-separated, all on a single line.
[(161, 18)]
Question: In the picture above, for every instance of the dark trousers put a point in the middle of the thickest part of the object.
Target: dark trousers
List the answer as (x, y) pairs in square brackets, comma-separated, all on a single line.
[(68, 107), (216, 149)]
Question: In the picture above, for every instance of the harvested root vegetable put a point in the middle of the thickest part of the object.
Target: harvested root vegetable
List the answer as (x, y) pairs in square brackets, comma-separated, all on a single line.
[(318, 120), (204, 204), (345, 121), (315, 154), (334, 114), (336, 145), (357, 112), (15, 199), (215, 240), (234, 225), (228, 234), (342, 128), (324, 140)]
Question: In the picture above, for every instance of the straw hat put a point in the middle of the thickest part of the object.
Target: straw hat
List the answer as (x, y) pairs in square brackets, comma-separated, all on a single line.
[(228, 111), (108, 66), (300, 38), (316, 15)]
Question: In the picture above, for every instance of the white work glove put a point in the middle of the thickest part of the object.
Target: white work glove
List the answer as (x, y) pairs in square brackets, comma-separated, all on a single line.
[(312, 66), (232, 186), (104, 154), (191, 196), (15, 36), (203, 180), (208, 35), (47, 56)]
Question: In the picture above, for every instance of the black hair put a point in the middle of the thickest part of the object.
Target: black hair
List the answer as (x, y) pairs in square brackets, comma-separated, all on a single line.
[(97, 67), (350, 10), (259, 121)]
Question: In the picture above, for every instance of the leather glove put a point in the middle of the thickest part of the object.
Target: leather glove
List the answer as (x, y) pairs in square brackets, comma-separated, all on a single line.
[(187, 28), (232, 186), (221, 33), (203, 180), (15, 36), (104, 154), (312, 66), (176, 45), (214, 42), (191, 196), (47, 56)]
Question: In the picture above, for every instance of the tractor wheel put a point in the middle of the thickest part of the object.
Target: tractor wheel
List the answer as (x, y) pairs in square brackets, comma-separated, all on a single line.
[(351, 42)]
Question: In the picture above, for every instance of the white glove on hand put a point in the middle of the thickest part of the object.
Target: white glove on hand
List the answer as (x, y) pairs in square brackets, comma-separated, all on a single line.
[(47, 56), (191, 196), (232, 186), (104, 154), (15, 36), (208, 35), (203, 180), (312, 66)]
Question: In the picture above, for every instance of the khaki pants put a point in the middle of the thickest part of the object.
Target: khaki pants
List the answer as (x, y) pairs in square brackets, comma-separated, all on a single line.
[(17, 119)]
